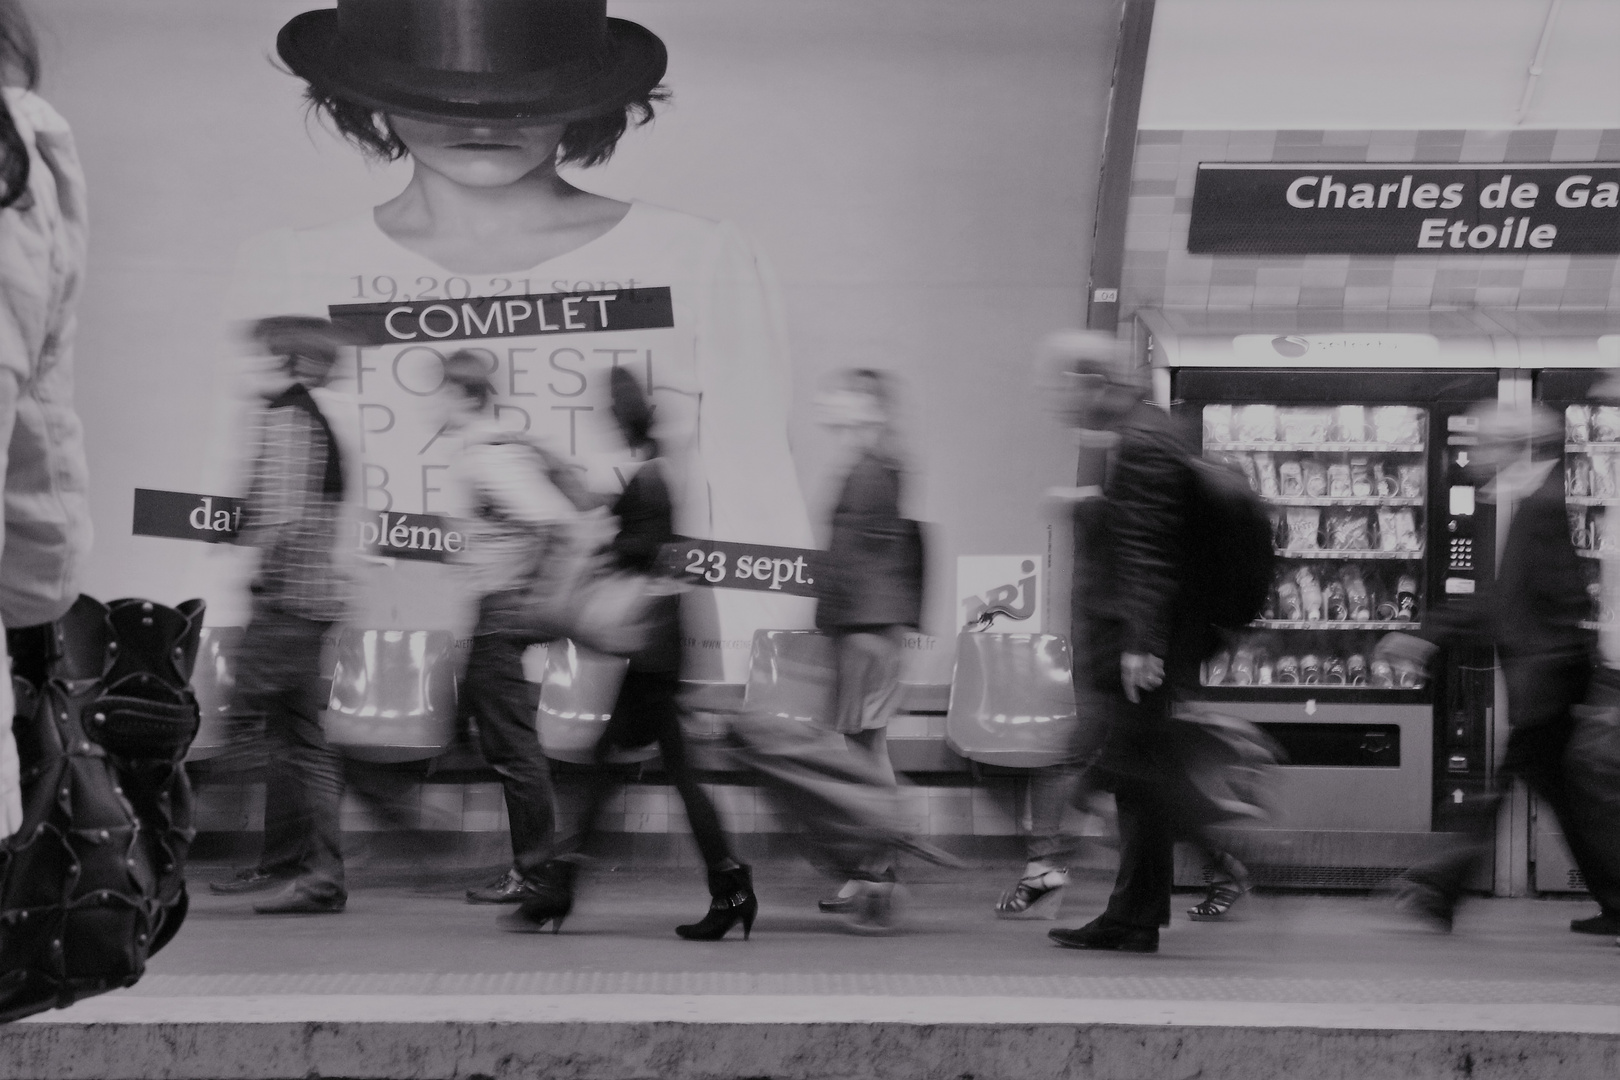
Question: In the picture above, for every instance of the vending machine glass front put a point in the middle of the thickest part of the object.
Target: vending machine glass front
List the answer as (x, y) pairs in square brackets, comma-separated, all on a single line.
[(1347, 487)]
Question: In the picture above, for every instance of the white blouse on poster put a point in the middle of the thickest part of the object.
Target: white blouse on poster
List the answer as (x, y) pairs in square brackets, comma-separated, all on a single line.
[(719, 377)]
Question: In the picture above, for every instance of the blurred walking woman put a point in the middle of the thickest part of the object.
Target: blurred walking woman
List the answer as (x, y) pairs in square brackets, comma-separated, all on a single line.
[(646, 710), (46, 528), (870, 586)]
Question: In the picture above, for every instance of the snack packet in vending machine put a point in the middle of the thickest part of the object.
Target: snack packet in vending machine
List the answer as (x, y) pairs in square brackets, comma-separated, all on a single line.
[(1304, 524), (1338, 479), (1289, 604), (1579, 534), (1606, 424), (1255, 423), (1310, 593), (1603, 478), (1361, 478), (1307, 426), (1349, 530), (1356, 670), (1578, 476), (1242, 673), (1355, 593), (1315, 478), (1398, 424), (1577, 424), (1290, 479), (1352, 423), (1217, 424), (1333, 671), (1265, 470)]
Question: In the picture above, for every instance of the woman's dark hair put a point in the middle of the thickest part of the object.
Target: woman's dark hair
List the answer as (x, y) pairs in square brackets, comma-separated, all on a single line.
[(19, 66), (586, 142), (631, 408), (468, 371)]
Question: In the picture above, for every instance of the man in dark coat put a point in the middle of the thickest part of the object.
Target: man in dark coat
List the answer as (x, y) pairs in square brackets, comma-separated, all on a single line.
[(1143, 639), (1532, 614)]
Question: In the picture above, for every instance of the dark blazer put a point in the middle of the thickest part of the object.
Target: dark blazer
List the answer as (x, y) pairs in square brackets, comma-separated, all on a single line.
[(1131, 554), (1532, 612), (646, 519), (646, 516), (872, 572)]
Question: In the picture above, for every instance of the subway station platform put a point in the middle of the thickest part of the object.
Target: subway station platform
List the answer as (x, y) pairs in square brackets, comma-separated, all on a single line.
[(413, 983)]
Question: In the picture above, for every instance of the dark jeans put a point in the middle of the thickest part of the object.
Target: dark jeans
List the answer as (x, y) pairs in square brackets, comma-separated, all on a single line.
[(279, 682), (645, 712), (495, 693)]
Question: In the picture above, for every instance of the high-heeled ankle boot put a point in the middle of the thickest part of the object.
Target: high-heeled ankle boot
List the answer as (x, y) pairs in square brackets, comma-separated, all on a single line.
[(548, 897), (733, 901)]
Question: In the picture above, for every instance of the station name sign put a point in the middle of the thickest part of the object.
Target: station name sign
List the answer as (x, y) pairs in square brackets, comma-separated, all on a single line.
[(1360, 209)]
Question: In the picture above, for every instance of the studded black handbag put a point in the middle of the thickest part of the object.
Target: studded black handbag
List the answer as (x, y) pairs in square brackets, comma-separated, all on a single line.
[(93, 883)]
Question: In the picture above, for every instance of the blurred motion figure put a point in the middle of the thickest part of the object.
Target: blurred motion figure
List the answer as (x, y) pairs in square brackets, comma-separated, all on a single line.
[(1144, 631), (647, 709), (294, 515), (869, 588), (43, 234), (1532, 614)]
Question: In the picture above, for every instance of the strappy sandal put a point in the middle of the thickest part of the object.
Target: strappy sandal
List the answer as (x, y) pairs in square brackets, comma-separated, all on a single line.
[(1220, 897), (1035, 897)]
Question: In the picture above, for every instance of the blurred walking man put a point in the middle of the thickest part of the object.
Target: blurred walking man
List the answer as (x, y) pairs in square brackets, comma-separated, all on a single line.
[(294, 515), (1532, 613), (1143, 638)]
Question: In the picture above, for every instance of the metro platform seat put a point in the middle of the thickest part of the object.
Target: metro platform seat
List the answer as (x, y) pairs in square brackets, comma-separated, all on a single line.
[(791, 676), (1012, 700), (393, 694), (213, 680), (577, 693)]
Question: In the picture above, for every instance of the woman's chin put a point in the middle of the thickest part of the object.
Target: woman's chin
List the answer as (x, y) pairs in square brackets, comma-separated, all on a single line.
[(484, 173)]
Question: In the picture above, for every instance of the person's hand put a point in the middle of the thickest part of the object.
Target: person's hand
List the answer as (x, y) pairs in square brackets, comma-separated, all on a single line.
[(1139, 672)]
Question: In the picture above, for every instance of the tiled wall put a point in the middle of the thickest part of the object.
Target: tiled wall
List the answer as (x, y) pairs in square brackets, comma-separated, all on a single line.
[(1160, 273), (992, 807)]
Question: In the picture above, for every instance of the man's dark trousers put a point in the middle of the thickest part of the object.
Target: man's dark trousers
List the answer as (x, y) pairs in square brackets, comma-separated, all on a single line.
[(501, 701), (279, 680)]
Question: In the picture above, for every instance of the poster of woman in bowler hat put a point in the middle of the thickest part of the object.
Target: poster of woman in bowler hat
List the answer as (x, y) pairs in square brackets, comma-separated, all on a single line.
[(488, 248)]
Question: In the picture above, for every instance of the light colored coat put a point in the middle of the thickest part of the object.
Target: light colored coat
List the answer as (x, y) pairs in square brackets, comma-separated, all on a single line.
[(45, 534)]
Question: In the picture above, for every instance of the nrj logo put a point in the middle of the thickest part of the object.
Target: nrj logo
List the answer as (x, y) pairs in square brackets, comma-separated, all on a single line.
[(1016, 601)]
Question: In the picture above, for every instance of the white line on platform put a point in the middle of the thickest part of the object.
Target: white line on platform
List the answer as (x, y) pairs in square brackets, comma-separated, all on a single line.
[(119, 1008)]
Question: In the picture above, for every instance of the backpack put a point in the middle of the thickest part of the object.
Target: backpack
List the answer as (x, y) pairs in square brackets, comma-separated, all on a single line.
[(1229, 545)]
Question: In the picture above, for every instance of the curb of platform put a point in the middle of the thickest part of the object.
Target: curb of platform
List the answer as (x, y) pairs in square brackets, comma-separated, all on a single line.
[(788, 1037)]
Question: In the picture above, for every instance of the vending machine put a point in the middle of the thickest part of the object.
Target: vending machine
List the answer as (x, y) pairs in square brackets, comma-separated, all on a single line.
[(1376, 522)]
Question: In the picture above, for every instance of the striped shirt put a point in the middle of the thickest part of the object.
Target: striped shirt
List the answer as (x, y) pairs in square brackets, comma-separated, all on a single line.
[(294, 511)]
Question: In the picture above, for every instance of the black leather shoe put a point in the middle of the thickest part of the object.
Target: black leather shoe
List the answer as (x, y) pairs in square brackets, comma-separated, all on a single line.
[(295, 900), (1605, 924), (1102, 934), (547, 899), (506, 889), (251, 880)]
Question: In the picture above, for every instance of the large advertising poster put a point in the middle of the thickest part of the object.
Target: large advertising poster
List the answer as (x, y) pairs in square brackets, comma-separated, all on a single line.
[(905, 186)]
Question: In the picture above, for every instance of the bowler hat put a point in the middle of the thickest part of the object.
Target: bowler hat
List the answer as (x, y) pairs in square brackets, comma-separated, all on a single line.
[(475, 60)]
